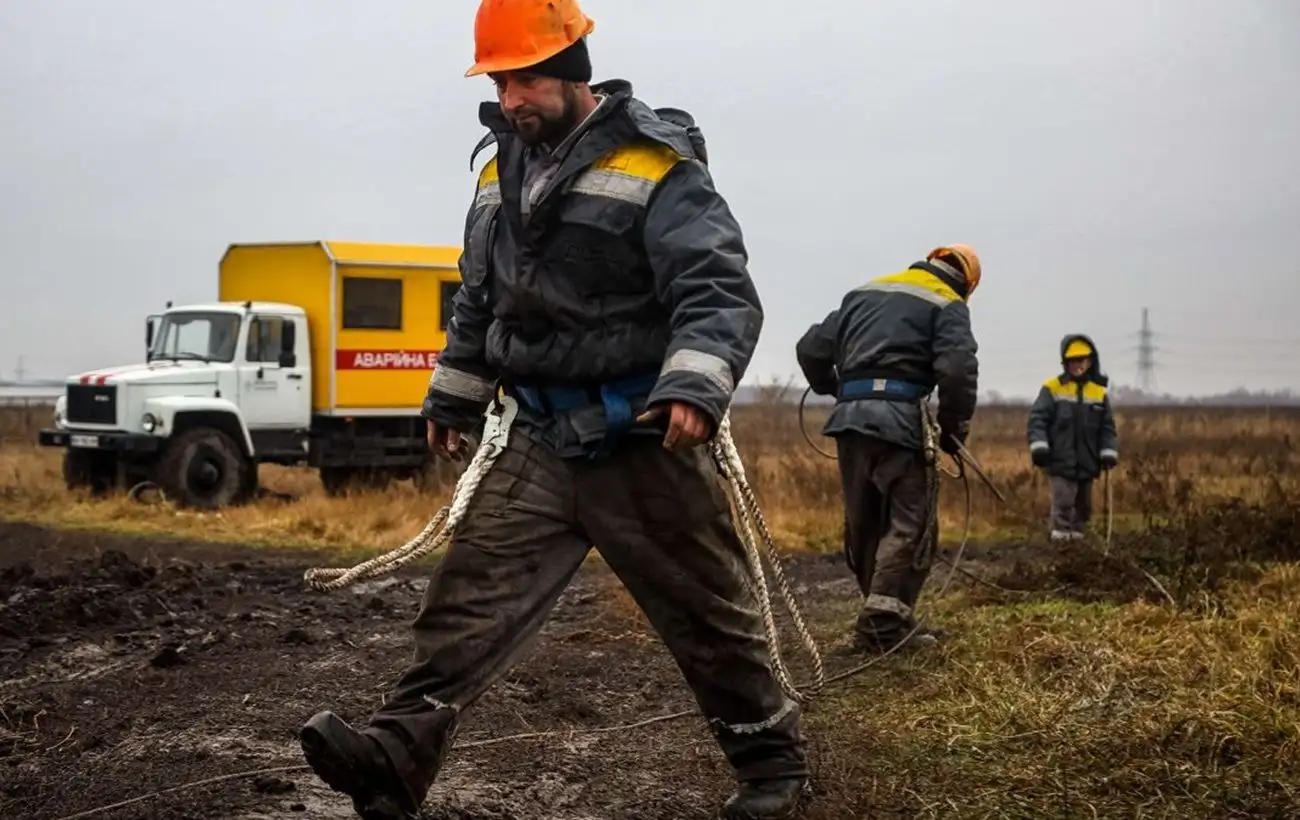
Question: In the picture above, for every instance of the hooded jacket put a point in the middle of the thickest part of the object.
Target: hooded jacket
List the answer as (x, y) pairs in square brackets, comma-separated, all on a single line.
[(913, 327), (624, 263), (1074, 420)]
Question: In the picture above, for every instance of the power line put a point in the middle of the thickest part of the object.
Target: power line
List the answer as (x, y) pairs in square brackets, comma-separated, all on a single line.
[(1146, 363)]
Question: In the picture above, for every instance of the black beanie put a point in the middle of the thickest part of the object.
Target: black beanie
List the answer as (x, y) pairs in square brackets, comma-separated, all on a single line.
[(572, 64)]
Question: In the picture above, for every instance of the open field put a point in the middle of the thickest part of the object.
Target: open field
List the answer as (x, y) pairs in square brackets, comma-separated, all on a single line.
[(146, 647), (1169, 459)]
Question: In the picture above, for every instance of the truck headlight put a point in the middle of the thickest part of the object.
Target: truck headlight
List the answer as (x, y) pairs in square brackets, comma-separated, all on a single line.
[(58, 417), (149, 422)]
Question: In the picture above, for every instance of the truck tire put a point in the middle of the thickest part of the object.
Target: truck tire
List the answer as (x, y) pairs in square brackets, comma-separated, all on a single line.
[(204, 468), (89, 468)]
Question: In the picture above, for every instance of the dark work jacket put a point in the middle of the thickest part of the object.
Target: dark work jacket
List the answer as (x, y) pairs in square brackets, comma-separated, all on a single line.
[(628, 263), (911, 326), (1074, 419)]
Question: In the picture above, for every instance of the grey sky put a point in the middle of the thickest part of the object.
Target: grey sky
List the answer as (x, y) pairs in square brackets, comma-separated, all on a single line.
[(1101, 156)]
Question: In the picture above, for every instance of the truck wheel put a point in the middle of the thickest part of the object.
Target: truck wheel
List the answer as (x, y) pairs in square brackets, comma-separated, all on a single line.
[(335, 480), (90, 469), (204, 468)]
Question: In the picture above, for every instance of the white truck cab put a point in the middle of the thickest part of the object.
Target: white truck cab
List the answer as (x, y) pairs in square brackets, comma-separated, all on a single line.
[(223, 386)]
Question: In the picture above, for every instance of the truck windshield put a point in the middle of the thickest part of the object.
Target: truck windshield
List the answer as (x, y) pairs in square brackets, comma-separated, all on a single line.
[(197, 336)]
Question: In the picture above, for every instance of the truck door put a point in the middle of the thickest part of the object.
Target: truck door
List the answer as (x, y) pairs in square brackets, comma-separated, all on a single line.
[(274, 388)]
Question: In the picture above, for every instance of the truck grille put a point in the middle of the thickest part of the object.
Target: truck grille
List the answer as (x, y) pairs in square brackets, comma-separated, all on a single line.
[(92, 403)]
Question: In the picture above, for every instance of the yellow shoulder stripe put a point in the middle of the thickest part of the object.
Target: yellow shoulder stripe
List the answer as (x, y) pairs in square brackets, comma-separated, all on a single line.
[(1093, 393), (489, 173), (643, 160)]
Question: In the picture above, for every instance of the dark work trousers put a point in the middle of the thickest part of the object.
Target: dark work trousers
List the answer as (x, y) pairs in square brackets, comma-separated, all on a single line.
[(662, 523), (1071, 504), (885, 505)]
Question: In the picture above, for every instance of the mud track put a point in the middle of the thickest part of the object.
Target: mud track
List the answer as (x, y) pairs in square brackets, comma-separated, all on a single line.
[(128, 666)]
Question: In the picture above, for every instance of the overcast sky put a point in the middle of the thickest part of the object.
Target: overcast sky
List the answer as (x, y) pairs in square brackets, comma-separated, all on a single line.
[(1101, 156)]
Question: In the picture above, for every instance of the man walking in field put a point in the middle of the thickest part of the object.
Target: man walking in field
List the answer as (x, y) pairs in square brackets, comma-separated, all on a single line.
[(889, 344), (604, 278), (1072, 435)]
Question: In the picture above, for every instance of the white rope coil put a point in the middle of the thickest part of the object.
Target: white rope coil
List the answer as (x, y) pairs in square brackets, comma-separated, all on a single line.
[(750, 516), (443, 526)]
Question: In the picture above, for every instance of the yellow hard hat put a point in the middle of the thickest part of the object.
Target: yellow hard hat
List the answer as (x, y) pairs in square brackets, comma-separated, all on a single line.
[(967, 261), (1078, 349)]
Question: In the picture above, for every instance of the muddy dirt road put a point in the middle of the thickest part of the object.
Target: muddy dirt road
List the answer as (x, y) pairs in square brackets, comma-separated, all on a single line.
[(130, 666)]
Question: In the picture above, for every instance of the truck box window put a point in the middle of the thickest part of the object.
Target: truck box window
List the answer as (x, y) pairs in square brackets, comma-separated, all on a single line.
[(449, 290), (264, 339), (371, 303)]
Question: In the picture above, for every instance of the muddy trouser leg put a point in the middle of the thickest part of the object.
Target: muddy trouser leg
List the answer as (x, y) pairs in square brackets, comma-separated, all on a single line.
[(1065, 494), (662, 522), (864, 506), (1083, 505), (903, 560), (514, 553)]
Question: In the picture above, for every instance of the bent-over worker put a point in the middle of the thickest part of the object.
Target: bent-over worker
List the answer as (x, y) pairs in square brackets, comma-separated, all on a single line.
[(889, 344), (604, 278)]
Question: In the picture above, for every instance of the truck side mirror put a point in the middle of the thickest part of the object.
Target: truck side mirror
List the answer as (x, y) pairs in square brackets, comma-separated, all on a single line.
[(148, 336), (288, 339)]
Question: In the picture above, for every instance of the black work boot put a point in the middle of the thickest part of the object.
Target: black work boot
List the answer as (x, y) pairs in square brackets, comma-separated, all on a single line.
[(356, 765), (764, 799), (922, 638)]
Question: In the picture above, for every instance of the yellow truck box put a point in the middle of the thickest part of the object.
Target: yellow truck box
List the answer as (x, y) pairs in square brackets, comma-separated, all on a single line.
[(377, 314)]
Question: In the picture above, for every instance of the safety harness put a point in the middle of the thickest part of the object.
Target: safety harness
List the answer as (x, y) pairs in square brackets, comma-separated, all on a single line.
[(889, 389), (614, 398)]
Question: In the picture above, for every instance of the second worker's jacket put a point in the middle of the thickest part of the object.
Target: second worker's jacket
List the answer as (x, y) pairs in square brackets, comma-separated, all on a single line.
[(892, 341), (597, 278), (1073, 419)]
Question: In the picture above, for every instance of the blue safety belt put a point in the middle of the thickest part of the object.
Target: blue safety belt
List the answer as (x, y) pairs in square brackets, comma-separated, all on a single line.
[(888, 389), (615, 397)]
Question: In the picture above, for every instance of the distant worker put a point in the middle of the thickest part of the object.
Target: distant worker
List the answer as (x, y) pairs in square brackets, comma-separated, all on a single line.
[(604, 281), (1072, 435), (891, 342)]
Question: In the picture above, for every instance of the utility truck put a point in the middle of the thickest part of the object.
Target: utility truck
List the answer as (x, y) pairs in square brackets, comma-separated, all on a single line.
[(316, 353)]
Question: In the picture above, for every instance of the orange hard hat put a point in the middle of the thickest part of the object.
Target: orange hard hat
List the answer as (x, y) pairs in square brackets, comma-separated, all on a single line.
[(514, 34), (968, 262)]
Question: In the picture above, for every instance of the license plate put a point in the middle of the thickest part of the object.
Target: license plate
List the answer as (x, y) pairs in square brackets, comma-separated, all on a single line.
[(85, 441)]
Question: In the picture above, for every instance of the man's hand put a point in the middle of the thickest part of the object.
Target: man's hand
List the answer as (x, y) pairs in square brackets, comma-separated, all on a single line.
[(950, 444), (1109, 460), (687, 426), (1041, 456), (952, 437), (444, 442)]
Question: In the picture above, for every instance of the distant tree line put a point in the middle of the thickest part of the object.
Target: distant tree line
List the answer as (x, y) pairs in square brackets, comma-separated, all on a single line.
[(775, 391)]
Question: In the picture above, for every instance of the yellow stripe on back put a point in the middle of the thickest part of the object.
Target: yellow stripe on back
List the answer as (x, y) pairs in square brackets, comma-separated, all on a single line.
[(919, 283)]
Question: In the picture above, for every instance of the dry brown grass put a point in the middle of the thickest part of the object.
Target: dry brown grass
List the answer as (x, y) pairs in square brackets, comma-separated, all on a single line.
[(1049, 709), (1043, 705), (1172, 458)]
